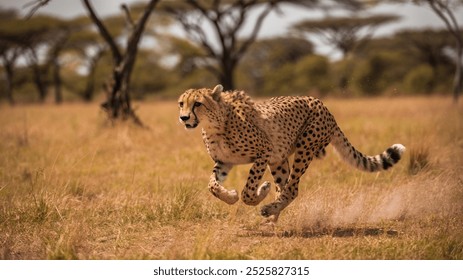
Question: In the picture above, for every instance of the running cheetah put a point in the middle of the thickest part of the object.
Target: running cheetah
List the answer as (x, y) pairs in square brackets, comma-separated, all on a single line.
[(237, 130)]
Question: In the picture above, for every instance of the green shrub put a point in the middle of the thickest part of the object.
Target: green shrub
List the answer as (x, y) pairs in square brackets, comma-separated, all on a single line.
[(378, 73), (279, 82), (313, 73), (367, 76), (419, 80)]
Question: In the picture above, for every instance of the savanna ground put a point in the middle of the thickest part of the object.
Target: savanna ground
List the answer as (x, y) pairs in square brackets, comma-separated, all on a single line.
[(74, 187)]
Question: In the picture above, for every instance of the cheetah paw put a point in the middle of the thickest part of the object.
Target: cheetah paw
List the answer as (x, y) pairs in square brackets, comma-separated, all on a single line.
[(269, 210), (231, 197)]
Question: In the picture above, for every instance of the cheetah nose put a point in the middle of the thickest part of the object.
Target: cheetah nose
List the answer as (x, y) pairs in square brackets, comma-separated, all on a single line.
[(184, 118)]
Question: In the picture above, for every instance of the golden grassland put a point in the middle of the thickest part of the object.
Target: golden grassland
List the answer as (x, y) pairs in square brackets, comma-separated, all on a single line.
[(74, 187)]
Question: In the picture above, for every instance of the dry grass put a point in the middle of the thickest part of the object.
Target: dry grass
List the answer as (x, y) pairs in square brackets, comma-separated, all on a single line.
[(73, 188)]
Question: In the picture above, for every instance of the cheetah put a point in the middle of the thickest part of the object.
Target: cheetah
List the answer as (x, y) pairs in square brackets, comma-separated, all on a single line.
[(236, 130)]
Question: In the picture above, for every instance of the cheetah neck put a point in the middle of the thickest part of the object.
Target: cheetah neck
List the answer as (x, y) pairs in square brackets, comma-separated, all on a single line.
[(215, 123)]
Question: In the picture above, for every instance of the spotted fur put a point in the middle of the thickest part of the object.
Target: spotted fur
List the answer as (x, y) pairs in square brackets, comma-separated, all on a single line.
[(237, 130)]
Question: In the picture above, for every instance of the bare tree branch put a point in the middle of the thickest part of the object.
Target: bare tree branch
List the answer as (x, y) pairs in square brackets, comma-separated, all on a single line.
[(254, 33), (103, 31), (35, 5), (446, 17), (445, 13), (128, 16)]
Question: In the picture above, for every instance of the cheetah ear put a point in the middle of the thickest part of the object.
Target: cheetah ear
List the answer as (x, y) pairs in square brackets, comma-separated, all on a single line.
[(216, 92)]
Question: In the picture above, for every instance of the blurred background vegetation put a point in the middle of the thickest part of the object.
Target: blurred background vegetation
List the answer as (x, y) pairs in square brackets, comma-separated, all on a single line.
[(189, 44)]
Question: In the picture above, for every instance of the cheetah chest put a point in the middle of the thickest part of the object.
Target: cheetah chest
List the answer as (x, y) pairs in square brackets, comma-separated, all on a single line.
[(234, 148)]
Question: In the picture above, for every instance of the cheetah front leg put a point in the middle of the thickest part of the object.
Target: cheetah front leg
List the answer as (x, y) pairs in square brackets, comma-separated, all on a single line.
[(218, 176), (252, 193)]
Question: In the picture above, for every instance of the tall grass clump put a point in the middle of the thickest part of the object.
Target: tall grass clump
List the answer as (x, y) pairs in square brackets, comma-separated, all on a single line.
[(419, 159)]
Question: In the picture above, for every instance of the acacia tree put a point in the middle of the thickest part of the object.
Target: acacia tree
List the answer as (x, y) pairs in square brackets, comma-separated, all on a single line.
[(47, 33), (90, 48), (10, 51), (427, 46), (444, 9), (344, 33), (39, 72), (224, 48), (226, 45), (118, 104), (29, 39), (56, 46)]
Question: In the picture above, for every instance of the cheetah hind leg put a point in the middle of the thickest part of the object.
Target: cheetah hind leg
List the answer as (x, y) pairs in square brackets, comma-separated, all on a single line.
[(289, 193)]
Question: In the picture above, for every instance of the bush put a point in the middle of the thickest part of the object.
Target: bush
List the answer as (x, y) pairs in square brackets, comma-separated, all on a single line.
[(279, 82), (378, 73), (313, 73), (419, 80), (367, 76)]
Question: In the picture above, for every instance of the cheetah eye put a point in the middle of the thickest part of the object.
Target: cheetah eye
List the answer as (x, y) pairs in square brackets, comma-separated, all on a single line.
[(197, 104), (180, 104)]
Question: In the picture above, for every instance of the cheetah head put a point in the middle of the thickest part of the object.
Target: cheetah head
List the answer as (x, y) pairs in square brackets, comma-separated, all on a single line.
[(198, 105)]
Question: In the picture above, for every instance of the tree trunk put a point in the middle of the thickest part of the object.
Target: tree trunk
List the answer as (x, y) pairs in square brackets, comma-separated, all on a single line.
[(227, 81), (37, 73), (118, 105), (57, 81), (87, 95), (9, 83), (458, 78), (39, 82), (227, 77), (226, 20)]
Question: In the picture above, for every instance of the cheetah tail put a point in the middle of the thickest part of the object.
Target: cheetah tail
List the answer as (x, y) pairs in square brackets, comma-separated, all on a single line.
[(363, 162)]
